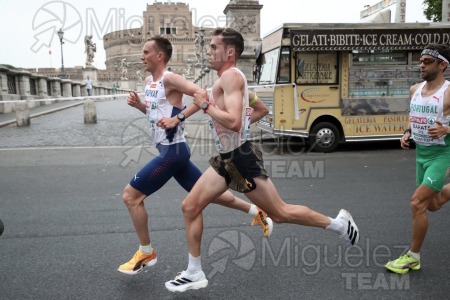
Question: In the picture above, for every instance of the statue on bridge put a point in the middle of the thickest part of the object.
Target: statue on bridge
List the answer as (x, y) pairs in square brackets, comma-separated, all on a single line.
[(139, 76), (90, 49), (124, 69)]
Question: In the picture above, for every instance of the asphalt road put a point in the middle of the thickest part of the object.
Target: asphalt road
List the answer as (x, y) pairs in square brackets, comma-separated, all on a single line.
[(67, 230)]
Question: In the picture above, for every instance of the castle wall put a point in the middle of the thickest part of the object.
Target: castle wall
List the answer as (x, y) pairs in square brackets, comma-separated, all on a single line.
[(174, 21)]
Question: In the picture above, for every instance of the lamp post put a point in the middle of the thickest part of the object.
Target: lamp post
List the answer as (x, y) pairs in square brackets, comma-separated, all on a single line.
[(61, 36), (206, 71), (201, 35)]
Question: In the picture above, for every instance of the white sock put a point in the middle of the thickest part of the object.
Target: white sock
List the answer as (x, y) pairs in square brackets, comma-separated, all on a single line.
[(146, 249), (253, 210), (336, 226), (195, 264), (414, 254)]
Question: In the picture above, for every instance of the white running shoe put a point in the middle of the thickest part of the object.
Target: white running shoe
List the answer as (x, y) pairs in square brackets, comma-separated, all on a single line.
[(351, 232), (185, 281)]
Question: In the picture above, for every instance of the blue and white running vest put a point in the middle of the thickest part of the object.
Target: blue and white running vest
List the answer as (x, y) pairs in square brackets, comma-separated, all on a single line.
[(158, 107)]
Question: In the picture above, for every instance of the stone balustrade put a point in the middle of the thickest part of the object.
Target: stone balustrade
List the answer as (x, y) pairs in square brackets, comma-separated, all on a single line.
[(17, 85)]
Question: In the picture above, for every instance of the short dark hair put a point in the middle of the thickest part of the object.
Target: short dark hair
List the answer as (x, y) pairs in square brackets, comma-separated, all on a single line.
[(231, 38), (163, 45)]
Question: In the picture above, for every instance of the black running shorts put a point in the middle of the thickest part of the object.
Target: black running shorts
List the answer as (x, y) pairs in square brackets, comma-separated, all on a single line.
[(240, 166)]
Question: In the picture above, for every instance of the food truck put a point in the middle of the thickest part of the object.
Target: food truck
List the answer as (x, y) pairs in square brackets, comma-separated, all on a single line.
[(336, 83)]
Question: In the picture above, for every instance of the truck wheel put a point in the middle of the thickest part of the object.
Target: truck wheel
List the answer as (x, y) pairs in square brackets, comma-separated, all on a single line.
[(324, 137)]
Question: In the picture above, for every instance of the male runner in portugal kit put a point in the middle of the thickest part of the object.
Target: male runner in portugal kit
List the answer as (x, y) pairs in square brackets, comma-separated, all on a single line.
[(429, 128), (163, 104)]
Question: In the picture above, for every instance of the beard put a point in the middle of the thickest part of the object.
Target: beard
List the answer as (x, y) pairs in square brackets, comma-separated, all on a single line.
[(429, 76)]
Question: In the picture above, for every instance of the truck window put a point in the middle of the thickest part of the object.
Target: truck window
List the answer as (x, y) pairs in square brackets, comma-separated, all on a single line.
[(269, 67), (376, 57), (316, 68), (383, 74), (285, 66)]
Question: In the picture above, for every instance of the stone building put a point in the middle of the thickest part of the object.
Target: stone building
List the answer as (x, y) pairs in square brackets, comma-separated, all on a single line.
[(123, 48), (173, 20)]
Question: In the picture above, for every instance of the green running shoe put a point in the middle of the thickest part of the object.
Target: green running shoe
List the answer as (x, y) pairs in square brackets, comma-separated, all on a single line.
[(402, 264)]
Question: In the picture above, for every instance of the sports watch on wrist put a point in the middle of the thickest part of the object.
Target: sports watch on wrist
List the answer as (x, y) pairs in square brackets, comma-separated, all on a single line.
[(204, 106), (181, 117)]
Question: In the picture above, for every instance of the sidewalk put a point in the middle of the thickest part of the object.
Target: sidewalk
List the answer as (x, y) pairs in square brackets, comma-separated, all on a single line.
[(62, 125), (10, 118)]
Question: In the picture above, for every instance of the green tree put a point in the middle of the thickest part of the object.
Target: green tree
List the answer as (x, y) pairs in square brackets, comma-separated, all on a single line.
[(433, 10)]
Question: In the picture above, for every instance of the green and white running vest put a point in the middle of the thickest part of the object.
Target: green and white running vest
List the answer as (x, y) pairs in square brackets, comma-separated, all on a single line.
[(424, 112)]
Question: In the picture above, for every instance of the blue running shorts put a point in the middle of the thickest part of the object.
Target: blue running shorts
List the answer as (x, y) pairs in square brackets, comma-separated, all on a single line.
[(173, 161)]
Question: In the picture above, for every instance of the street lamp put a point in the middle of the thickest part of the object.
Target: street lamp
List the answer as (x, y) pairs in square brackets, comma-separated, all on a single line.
[(61, 36), (201, 35), (206, 71)]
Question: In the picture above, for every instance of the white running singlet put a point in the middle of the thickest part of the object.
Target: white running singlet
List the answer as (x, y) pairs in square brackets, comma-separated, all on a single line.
[(225, 139)]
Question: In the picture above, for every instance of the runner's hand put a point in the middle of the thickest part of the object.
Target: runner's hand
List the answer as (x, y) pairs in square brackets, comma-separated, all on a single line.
[(133, 99), (437, 131), (168, 123), (201, 96), (404, 140)]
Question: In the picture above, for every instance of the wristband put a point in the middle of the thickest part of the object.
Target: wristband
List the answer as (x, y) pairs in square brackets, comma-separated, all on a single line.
[(407, 131), (255, 98)]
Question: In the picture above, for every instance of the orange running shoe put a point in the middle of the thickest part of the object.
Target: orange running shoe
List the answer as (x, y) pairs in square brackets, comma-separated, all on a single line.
[(264, 221), (138, 262)]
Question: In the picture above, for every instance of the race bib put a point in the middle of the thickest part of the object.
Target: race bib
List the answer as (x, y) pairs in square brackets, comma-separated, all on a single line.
[(217, 142), (152, 114), (247, 123)]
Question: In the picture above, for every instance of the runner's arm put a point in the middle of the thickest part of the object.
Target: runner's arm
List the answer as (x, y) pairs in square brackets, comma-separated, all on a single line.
[(134, 101), (178, 84), (231, 84), (259, 108)]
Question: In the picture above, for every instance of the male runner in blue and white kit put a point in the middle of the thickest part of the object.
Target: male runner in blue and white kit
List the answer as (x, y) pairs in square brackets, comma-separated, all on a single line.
[(163, 99), (430, 130), (239, 165)]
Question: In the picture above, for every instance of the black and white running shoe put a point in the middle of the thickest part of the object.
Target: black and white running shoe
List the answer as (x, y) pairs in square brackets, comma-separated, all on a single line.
[(351, 232), (185, 281)]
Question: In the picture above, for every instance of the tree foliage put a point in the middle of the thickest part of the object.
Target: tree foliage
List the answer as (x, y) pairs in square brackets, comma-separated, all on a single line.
[(433, 10)]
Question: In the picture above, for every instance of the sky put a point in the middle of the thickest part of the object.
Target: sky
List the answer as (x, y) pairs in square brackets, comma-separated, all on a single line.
[(29, 40)]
